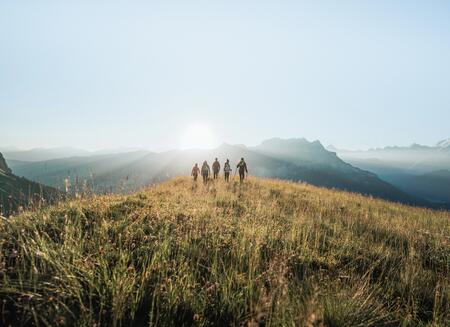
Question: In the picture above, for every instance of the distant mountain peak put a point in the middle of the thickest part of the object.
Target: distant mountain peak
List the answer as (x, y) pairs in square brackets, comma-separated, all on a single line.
[(3, 166), (299, 150), (444, 143), (241, 146), (418, 146), (276, 141)]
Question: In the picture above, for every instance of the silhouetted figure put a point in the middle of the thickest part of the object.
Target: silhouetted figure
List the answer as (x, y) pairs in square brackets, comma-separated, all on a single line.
[(242, 166), (195, 172), (227, 170), (205, 171), (216, 168)]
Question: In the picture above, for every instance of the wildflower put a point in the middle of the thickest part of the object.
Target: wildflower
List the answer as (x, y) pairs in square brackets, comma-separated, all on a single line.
[(28, 297), (211, 287)]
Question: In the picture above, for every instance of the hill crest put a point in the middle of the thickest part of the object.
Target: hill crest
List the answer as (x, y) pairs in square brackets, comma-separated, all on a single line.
[(292, 159), (265, 251)]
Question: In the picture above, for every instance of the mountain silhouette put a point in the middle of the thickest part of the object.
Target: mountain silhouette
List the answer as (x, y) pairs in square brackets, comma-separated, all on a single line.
[(416, 169), (18, 192), (3, 166), (292, 159)]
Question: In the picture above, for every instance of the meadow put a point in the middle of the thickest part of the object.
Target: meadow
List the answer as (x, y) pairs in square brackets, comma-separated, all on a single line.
[(267, 252)]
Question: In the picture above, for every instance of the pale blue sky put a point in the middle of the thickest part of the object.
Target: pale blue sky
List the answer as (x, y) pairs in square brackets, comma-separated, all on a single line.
[(98, 74)]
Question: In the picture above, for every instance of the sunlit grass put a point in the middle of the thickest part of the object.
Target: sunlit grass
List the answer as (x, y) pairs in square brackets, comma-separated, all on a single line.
[(267, 252)]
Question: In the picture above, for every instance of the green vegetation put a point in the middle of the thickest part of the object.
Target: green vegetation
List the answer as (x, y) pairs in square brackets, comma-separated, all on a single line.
[(267, 252), (18, 192)]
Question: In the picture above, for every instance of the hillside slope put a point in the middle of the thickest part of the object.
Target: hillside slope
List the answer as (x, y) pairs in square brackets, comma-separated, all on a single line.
[(433, 186), (264, 252), (18, 192)]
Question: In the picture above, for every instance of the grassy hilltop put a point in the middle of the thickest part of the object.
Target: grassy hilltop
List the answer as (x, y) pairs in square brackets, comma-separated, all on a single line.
[(267, 252)]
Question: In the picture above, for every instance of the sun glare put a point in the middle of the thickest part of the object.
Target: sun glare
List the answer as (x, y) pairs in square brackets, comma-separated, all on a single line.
[(197, 136)]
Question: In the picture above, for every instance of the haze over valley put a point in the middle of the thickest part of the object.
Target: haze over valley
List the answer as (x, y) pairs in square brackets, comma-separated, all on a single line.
[(415, 175), (423, 171)]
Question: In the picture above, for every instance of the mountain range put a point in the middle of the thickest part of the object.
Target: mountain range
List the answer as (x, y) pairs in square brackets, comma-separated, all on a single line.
[(292, 159), (423, 171), (43, 154)]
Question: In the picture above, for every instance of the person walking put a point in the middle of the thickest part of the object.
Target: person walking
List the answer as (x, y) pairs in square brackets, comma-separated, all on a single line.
[(242, 166), (227, 170), (205, 171), (195, 172), (216, 168)]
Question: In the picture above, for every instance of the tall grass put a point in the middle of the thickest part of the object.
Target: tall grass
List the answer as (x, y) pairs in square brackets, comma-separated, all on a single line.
[(266, 252)]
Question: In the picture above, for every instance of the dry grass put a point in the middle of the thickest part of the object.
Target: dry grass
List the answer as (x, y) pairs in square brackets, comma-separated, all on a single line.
[(266, 252)]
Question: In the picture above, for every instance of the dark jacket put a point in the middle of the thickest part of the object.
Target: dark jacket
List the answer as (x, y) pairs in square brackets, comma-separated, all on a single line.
[(242, 166)]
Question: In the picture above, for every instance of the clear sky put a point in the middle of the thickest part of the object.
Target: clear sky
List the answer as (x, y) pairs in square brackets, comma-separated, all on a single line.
[(102, 74)]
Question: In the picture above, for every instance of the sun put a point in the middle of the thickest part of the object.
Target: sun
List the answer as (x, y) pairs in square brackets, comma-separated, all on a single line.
[(198, 136)]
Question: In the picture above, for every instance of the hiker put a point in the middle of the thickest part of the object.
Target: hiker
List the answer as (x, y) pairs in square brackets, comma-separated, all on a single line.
[(242, 166), (227, 170), (216, 168), (195, 172), (205, 171)]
